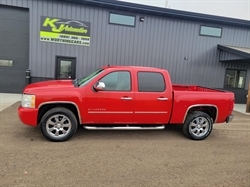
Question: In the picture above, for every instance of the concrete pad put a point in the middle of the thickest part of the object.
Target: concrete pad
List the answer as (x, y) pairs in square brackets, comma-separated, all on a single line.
[(240, 108), (7, 99)]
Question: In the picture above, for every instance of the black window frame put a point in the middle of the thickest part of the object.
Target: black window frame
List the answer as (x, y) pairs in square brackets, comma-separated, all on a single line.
[(122, 15), (211, 35), (118, 90), (164, 82), (237, 79), (57, 68)]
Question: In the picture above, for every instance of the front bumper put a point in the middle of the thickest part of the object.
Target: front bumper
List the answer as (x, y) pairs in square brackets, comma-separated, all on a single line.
[(229, 118), (28, 116)]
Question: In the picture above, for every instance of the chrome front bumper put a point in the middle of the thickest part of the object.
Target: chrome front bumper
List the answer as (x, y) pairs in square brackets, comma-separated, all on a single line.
[(229, 118)]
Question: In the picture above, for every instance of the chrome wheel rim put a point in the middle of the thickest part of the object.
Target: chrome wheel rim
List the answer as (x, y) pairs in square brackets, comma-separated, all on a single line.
[(58, 126), (199, 126)]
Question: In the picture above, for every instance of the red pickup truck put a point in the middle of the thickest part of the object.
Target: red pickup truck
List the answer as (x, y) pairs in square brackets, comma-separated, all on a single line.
[(123, 97)]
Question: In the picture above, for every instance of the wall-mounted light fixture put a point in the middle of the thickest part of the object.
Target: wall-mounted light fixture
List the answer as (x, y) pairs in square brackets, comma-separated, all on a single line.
[(185, 58), (142, 19)]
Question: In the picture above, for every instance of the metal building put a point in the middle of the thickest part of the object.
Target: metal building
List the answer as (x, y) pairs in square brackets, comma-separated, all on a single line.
[(58, 39)]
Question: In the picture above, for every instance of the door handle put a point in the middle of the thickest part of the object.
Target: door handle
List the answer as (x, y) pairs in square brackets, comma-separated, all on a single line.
[(126, 98), (162, 98)]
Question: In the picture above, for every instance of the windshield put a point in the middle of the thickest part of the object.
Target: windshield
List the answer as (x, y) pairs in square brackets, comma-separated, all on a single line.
[(84, 80)]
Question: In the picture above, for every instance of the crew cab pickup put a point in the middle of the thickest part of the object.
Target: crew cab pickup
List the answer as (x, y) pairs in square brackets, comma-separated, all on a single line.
[(123, 97)]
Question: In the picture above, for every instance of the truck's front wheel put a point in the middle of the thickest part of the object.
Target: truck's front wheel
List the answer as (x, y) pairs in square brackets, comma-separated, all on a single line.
[(198, 125), (58, 124)]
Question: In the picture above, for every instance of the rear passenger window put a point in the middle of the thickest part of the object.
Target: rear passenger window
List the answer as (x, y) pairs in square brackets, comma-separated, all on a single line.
[(150, 82)]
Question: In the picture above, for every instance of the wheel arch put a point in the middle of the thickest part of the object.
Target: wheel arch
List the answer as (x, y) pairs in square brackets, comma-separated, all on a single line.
[(211, 110), (44, 107)]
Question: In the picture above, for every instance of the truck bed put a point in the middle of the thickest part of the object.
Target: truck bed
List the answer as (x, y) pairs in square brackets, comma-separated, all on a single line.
[(186, 96), (178, 87)]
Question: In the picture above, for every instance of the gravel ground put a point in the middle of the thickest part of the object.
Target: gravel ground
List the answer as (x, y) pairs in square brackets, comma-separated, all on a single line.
[(124, 158)]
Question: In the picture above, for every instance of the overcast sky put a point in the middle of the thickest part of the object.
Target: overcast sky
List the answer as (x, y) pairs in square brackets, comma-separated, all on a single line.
[(229, 8)]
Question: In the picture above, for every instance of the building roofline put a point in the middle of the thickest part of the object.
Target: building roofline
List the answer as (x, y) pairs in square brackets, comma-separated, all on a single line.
[(164, 12)]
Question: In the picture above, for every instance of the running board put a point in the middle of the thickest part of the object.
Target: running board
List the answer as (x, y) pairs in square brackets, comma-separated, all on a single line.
[(124, 128)]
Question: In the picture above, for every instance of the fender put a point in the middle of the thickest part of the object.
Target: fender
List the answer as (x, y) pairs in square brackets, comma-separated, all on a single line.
[(64, 102), (198, 105)]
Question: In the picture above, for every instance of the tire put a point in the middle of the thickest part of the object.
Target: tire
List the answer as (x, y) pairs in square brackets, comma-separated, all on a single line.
[(58, 124), (198, 125)]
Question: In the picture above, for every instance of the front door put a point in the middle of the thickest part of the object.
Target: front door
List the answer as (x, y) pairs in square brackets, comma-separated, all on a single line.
[(114, 104), (65, 68)]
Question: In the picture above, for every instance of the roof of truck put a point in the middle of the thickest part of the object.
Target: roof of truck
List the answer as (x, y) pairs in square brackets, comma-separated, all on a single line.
[(133, 67)]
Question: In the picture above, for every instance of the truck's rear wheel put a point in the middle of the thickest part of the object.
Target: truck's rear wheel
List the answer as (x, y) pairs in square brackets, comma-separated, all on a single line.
[(58, 124), (198, 125)]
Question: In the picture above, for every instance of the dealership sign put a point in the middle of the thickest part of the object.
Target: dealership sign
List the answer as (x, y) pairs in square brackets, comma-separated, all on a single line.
[(64, 31)]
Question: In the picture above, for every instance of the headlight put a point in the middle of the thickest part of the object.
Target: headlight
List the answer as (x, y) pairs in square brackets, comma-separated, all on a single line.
[(28, 101)]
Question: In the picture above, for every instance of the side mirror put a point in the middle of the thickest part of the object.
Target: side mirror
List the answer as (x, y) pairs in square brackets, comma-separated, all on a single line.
[(99, 86)]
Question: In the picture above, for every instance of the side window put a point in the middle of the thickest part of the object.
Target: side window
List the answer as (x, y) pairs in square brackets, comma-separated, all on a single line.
[(235, 78), (119, 80), (210, 31), (150, 82)]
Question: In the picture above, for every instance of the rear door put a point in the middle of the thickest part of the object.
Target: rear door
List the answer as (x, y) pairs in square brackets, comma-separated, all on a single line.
[(153, 101), (114, 104)]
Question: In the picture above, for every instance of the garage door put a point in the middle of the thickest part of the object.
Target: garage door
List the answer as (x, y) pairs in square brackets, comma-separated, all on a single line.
[(14, 48)]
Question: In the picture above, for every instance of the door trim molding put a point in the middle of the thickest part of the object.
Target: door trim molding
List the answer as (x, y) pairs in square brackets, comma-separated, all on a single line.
[(109, 112), (150, 112)]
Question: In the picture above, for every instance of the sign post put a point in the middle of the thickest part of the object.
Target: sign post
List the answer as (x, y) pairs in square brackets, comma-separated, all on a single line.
[(248, 100)]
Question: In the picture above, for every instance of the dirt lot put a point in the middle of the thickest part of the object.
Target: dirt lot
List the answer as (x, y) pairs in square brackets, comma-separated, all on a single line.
[(124, 158)]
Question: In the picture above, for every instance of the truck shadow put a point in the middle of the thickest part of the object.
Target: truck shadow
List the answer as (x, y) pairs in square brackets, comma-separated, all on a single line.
[(169, 132)]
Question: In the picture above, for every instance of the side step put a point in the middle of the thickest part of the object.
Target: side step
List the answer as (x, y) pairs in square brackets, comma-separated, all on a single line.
[(124, 127)]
